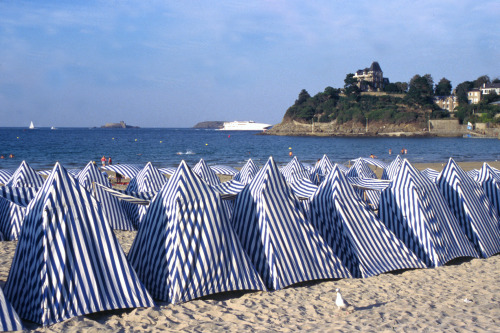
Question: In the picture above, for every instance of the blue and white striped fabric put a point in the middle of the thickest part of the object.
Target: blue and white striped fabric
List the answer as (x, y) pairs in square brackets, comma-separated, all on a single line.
[(372, 161), (136, 198), (111, 207), (490, 181), (9, 320), (167, 171), (229, 190), (303, 189), (431, 174), (25, 176), (11, 219), (207, 174), (224, 170), (360, 169), (392, 169), (72, 172), (126, 170), (342, 168), (247, 172), (369, 183), (363, 243), (415, 210), (5, 175), (475, 213), (294, 171), (474, 173), (68, 261), (282, 244), (186, 248), (19, 195), (149, 180), (321, 169)]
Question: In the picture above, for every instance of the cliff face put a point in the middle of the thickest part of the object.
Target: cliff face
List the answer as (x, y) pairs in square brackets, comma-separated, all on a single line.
[(350, 128)]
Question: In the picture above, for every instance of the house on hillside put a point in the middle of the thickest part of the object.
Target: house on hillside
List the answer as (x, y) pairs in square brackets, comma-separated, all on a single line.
[(447, 102), (474, 96), (371, 79), (488, 88)]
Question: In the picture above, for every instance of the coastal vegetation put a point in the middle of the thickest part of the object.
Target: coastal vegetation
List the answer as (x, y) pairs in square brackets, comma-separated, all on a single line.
[(399, 103)]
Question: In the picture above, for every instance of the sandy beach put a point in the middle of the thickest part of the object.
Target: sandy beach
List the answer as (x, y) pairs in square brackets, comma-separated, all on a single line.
[(462, 296)]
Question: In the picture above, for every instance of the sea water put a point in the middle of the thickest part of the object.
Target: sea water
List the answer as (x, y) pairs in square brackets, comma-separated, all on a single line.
[(166, 147)]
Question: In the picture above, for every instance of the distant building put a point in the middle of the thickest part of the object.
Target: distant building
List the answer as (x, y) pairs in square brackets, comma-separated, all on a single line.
[(371, 79), (488, 88), (474, 96), (447, 102)]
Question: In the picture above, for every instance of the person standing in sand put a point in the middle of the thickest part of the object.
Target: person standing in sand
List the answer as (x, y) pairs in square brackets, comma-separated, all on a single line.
[(103, 160), (109, 161)]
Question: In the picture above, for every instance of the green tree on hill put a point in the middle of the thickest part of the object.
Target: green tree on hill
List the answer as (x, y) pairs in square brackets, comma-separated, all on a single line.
[(421, 90), (443, 88)]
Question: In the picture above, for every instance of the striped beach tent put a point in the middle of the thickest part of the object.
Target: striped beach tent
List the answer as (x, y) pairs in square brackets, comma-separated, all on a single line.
[(169, 171), (475, 213), (11, 219), (321, 169), (224, 170), (392, 169), (68, 261), (415, 210), (19, 195), (365, 245), (490, 181), (150, 180), (431, 174), (342, 168), (361, 169), (282, 244), (295, 171), (25, 176), (5, 175), (186, 247), (247, 172), (111, 207), (207, 174), (126, 170), (474, 173), (372, 161), (9, 320)]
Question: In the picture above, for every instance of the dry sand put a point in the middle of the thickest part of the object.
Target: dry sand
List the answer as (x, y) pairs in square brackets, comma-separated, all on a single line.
[(462, 296)]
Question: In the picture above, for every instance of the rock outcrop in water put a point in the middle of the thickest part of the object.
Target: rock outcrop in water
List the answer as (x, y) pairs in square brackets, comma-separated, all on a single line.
[(121, 124)]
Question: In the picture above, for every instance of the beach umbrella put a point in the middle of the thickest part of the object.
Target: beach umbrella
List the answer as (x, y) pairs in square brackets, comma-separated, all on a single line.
[(247, 172), (186, 247), (111, 207), (68, 261), (363, 243), (416, 211), (25, 176), (9, 320), (475, 213), (282, 244)]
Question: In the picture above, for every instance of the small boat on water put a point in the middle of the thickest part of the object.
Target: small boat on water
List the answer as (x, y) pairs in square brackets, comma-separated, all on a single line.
[(53, 128), (244, 126), (32, 126)]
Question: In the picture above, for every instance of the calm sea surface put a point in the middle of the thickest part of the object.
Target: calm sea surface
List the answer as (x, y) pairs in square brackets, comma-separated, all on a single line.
[(75, 147)]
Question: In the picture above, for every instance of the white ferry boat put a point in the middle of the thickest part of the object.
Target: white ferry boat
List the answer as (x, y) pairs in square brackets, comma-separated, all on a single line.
[(244, 126)]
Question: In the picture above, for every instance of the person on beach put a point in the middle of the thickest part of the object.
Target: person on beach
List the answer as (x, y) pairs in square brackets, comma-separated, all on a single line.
[(403, 151), (372, 156), (103, 160), (390, 151), (109, 161)]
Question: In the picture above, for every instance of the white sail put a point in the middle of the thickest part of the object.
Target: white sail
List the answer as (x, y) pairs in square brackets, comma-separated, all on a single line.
[(32, 126)]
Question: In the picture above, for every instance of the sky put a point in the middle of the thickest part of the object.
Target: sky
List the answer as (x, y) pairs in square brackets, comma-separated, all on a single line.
[(156, 63)]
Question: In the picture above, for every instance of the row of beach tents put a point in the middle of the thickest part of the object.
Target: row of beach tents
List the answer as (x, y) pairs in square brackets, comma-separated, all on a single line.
[(265, 229)]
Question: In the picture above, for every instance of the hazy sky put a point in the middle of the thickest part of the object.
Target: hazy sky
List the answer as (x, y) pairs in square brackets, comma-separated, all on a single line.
[(175, 63)]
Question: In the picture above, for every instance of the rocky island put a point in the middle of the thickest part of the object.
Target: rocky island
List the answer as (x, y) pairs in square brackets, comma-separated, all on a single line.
[(216, 124), (121, 124)]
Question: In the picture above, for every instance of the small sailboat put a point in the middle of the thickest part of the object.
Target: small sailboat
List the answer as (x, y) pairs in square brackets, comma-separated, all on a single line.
[(32, 126), (53, 128)]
